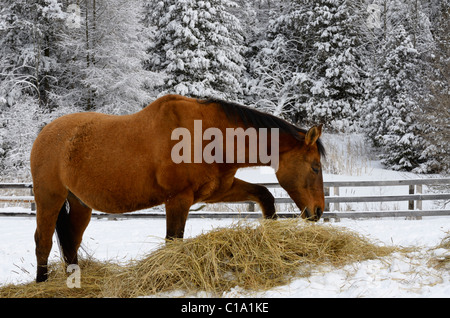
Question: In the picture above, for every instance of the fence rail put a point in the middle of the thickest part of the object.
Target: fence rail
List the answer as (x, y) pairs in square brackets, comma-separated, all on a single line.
[(414, 195)]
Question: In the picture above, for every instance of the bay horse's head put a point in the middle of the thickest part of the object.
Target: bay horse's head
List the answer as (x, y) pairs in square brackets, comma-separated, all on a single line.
[(300, 174)]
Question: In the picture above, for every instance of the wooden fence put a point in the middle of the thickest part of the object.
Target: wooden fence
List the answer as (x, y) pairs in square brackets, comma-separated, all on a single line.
[(414, 197)]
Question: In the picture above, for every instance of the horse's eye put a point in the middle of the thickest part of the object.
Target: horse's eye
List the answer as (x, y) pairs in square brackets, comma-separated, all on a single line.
[(316, 170)]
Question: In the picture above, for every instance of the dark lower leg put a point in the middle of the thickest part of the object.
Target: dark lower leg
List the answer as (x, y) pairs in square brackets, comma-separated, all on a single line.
[(43, 247), (45, 227), (79, 218), (177, 209)]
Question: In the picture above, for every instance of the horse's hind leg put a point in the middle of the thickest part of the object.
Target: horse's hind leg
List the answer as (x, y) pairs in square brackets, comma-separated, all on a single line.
[(70, 228), (47, 210), (80, 216)]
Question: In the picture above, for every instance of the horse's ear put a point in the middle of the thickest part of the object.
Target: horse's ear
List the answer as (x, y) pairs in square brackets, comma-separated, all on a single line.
[(313, 134)]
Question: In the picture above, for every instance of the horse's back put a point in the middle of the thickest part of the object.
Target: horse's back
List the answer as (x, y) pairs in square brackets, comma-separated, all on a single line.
[(120, 163)]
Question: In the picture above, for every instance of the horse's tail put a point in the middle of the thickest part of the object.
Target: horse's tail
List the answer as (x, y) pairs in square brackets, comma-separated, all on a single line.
[(63, 230)]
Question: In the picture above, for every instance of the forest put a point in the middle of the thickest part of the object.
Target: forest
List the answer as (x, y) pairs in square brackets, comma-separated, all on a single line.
[(377, 67)]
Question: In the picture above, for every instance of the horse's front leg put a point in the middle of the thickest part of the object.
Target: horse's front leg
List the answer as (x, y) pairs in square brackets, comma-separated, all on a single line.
[(177, 209), (241, 191)]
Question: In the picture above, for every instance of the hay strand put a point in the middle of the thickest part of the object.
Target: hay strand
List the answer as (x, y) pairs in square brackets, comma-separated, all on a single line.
[(252, 255)]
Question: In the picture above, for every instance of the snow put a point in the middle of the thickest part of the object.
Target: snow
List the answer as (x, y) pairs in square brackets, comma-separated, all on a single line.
[(398, 275)]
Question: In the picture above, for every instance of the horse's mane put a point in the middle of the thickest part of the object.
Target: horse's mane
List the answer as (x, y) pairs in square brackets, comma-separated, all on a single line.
[(257, 119)]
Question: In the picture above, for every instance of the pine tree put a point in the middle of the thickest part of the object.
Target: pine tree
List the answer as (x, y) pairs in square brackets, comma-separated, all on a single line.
[(19, 126), (436, 108), (391, 116), (410, 15), (28, 63), (333, 61), (29, 70), (104, 57), (50, 67), (401, 129), (198, 46), (318, 45)]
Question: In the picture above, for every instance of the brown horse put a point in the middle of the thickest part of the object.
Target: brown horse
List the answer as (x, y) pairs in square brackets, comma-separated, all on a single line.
[(118, 164)]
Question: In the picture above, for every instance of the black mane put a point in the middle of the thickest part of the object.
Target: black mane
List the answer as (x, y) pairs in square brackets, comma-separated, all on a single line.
[(257, 119)]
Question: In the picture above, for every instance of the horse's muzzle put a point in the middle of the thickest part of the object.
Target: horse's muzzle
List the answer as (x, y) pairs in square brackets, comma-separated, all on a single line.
[(314, 218)]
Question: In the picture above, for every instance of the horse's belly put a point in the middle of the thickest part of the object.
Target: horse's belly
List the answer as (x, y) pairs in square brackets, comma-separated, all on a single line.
[(116, 195), (120, 204), (124, 207)]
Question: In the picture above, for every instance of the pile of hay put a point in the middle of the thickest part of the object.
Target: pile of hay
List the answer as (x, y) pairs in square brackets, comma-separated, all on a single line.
[(93, 276), (252, 255)]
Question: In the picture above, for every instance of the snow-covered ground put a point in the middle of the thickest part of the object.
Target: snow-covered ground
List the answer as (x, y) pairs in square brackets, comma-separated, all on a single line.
[(398, 275)]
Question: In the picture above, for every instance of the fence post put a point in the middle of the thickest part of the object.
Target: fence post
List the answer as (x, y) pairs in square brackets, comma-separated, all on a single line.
[(336, 193), (419, 202), (326, 192), (411, 202)]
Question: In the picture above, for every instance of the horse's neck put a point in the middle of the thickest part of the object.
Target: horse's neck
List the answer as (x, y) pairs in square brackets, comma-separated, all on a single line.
[(287, 142), (269, 149)]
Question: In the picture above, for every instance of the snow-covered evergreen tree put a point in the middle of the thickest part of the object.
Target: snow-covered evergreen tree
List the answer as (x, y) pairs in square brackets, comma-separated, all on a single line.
[(104, 57), (317, 43), (29, 70), (197, 44), (28, 63), (19, 126), (305, 60), (411, 15), (393, 108), (333, 62), (277, 78), (50, 67), (437, 107)]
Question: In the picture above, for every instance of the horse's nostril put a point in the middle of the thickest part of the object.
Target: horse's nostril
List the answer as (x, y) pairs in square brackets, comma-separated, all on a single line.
[(312, 217), (319, 213), (306, 213)]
